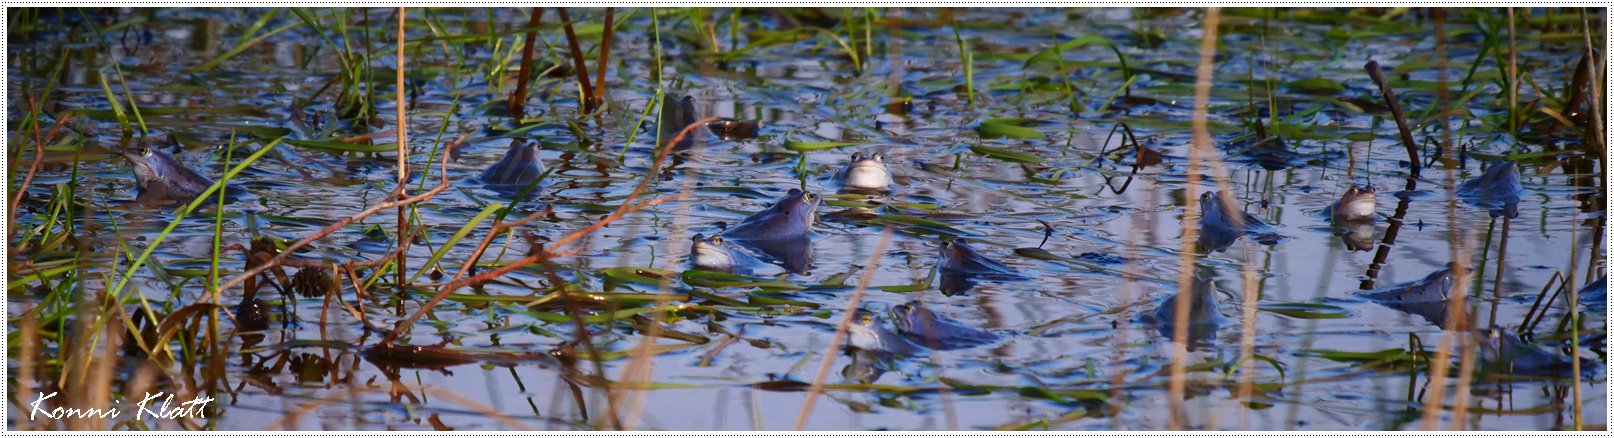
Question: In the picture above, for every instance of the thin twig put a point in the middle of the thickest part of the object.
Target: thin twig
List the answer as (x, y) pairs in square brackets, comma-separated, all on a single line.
[(840, 330), (628, 206), (284, 254), (39, 155)]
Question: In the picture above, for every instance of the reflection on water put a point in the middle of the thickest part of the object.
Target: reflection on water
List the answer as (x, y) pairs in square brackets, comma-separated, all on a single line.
[(1036, 172)]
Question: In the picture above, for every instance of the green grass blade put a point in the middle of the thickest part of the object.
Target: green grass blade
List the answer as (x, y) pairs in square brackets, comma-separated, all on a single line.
[(203, 197), (464, 230)]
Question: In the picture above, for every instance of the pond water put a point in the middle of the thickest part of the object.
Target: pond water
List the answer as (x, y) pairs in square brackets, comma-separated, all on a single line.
[(992, 137)]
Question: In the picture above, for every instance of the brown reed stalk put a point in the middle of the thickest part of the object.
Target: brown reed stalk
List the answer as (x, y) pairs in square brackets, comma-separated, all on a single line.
[(518, 99), (1455, 327), (828, 362), (577, 61), (403, 157), (1377, 75), (1246, 387), (605, 55), (1190, 235)]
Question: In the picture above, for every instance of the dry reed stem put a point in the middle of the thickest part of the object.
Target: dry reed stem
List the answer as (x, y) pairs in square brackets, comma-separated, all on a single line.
[(1190, 235), (29, 339), (403, 157), (817, 386), (628, 206), (1594, 124), (1455, 328), (640, 363), (1246, 387), (518, 99)]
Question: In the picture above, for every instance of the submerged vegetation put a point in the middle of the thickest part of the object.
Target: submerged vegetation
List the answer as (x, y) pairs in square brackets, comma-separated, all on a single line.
[(810, 218)]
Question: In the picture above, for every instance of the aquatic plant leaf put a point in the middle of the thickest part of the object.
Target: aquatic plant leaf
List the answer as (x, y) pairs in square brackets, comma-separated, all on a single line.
[(637, 275), (1320, 85), (809, 146), (702, 278), (764, 300), (1008, 128), (1306, 310), (1357, 356), (1006, 155), (919, 221), (1050, 55), (906, 288), (458, 235), (1038, 253), (337, 146)]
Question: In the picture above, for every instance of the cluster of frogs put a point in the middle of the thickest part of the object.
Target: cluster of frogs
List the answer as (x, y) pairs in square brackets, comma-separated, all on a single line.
[(780, 235)]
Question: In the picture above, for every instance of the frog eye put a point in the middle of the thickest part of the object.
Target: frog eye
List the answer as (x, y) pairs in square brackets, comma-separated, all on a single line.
[(718, 240), (857, 156), (947, 244), (145, 151), (879, 157), (810, 197), (865, 318)]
